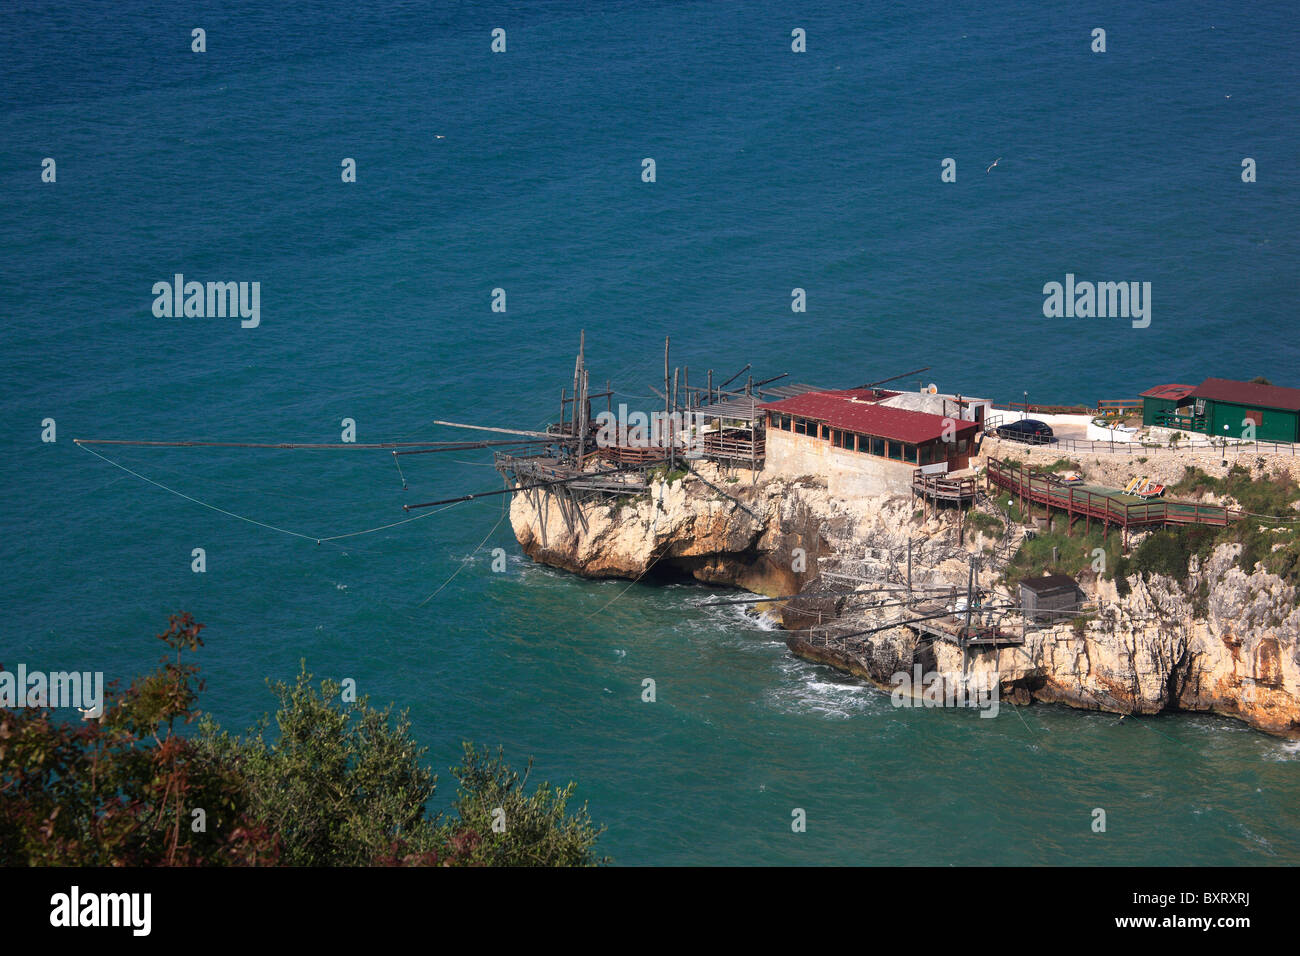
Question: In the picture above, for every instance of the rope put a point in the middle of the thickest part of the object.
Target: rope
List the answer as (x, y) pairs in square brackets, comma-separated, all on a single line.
[(254, 521), (635, 580), (462, 564)]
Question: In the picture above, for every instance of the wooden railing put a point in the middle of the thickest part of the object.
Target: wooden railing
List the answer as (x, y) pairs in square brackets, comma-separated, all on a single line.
[(1189, 423), (1047, 489), (734, 445), (943, 488), (625, 455)]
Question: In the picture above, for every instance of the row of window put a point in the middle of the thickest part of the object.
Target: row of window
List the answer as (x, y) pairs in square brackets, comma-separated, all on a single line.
[(867, 444)]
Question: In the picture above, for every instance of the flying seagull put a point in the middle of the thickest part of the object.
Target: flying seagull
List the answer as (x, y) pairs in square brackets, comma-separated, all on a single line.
[(991, 165)]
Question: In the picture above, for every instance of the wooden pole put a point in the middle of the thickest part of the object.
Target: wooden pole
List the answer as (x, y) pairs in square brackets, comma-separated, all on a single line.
[(970, 587), (667, 393), (672, 427)]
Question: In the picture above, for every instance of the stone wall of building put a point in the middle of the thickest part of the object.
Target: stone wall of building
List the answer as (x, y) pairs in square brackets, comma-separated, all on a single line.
[(848, 474)]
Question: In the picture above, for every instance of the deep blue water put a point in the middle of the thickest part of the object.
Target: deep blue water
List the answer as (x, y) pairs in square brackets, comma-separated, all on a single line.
[(774, 171)]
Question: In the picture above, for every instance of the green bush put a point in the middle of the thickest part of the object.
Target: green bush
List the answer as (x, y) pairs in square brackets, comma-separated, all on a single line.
[(986, 523), (345, 785), (1061, 464), (1074, 555), (662, 473), (1164, 552), (340, 784), (1120, 572)]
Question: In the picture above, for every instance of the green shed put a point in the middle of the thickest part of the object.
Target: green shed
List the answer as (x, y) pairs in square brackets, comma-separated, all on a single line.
[(1228, 405), (1221, 407), (1164, 404)]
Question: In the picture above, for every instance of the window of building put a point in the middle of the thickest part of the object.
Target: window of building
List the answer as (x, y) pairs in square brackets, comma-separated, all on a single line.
[(909, 453), (895, 451), (878, 447), (926, 451)]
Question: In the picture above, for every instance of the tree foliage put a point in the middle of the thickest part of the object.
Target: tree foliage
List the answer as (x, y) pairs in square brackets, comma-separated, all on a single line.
[(120, 791), (335, 783)]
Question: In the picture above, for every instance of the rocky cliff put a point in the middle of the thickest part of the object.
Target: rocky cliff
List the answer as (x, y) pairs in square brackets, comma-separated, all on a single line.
[(1159, 648)]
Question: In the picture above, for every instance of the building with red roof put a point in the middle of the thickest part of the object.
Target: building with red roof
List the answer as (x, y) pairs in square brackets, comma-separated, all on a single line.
[(860, 445)]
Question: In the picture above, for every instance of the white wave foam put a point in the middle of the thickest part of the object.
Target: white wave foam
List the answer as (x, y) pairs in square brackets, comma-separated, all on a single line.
[(1286, 750)]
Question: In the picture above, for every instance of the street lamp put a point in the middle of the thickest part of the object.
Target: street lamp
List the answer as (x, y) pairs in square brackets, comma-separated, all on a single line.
[(1025, 408)]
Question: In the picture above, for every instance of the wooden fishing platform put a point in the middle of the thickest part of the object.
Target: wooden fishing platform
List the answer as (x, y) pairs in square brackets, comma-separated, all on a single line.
[(938, 488), (952, 628)]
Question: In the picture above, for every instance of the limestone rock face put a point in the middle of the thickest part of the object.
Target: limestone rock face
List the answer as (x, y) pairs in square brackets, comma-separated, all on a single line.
[(765, 538), (1235, 652)]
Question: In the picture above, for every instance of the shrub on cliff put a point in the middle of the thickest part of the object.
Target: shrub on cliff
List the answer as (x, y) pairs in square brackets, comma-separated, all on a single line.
[(121, 790), (345, 785), (341, 783), (1163, 552)]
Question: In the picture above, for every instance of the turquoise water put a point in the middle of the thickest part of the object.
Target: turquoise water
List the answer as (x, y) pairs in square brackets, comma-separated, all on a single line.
[(775, 171)]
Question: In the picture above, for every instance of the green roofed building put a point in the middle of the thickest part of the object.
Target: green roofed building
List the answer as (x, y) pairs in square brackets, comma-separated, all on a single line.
[(1220, 407)]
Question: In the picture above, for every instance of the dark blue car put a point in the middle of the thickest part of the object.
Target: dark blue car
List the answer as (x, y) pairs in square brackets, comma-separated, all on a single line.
[(1028, 430)]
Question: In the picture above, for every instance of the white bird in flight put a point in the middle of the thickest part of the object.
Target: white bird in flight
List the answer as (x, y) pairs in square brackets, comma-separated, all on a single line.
[(991, 165)]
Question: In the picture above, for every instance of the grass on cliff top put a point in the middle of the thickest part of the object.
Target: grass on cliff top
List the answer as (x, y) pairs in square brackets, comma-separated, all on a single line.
[(1060, 465), (987, 524), (1075, 555), (1269, 536), (1266, 495), (663, 474)]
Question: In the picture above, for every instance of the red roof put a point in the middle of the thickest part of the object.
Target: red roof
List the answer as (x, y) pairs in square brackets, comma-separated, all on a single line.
[(856, 410), (1175, 392), (1248, 393)]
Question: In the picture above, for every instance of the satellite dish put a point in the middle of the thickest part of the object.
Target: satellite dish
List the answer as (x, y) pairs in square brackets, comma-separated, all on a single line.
[(932, 389)]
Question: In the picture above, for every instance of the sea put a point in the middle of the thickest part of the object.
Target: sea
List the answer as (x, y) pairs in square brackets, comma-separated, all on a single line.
[(524, 171)]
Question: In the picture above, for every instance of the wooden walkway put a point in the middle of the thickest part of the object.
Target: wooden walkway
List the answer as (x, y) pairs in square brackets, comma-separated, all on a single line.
[(1109, 506)]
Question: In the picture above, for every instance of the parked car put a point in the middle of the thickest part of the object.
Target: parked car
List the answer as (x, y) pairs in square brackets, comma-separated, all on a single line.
[(1028, 430)]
